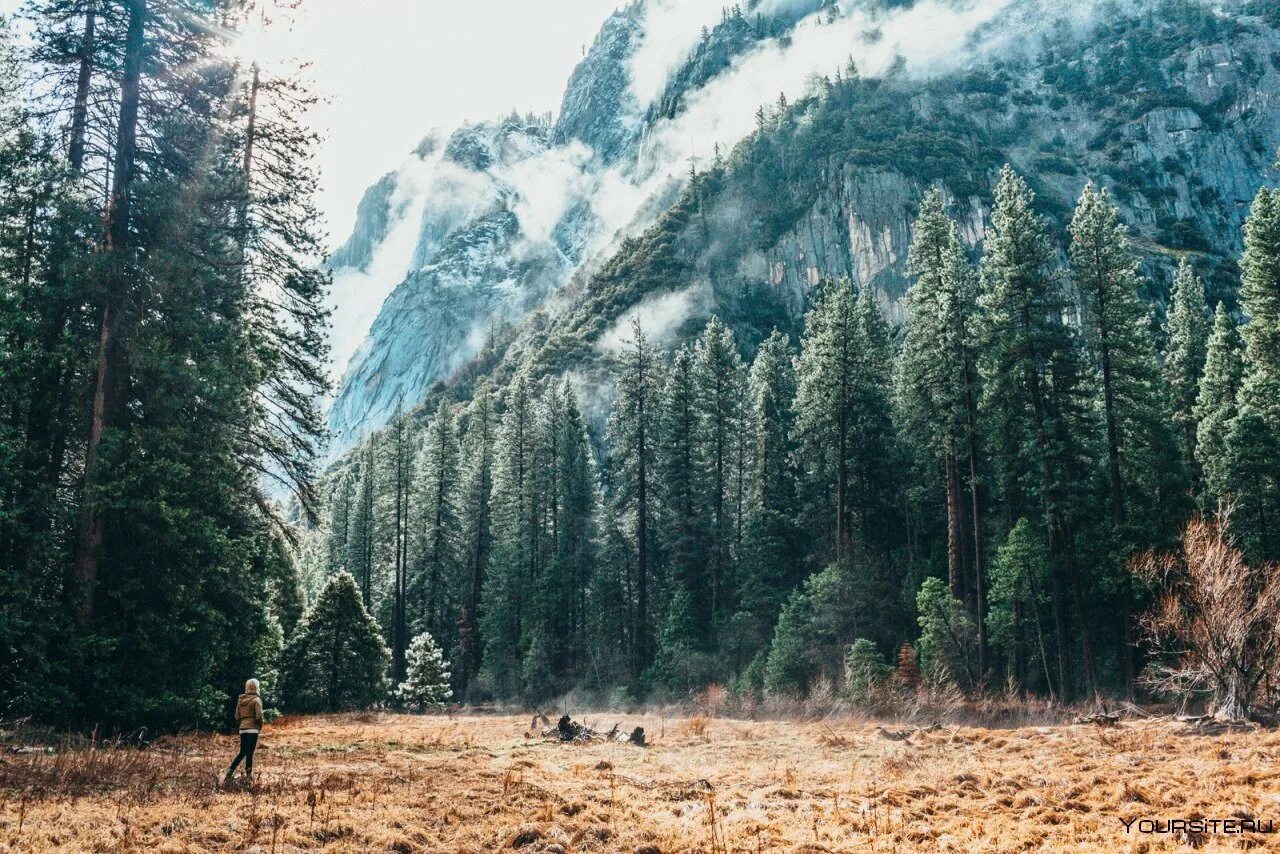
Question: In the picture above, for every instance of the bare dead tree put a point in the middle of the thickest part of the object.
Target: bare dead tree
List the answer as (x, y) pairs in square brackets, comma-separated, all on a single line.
[(1215, 624)]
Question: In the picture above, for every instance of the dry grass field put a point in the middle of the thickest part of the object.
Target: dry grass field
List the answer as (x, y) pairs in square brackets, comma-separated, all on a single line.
[(381, 782)]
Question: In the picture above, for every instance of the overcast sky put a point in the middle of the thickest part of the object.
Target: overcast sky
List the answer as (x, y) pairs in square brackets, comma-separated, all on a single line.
[(394, 69)]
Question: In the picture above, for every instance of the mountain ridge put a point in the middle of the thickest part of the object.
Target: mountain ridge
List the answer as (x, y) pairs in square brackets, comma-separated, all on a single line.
[(1183, 164)]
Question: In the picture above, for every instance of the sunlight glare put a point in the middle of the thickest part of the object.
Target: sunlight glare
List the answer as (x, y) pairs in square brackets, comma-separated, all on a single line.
[(262, 39)]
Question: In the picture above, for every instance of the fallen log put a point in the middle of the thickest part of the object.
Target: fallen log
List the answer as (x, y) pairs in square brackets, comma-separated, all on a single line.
[(569, 731), (894, 735)]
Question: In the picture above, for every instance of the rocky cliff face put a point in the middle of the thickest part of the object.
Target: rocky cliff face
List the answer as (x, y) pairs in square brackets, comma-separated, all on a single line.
[(1184, 171), (473, 264), (598, 108)]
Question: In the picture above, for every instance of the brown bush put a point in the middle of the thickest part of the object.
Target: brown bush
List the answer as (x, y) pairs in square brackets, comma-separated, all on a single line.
[(1215, 625)]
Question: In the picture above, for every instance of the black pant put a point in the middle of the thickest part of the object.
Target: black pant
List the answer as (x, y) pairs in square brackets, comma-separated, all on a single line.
[(248, 743)]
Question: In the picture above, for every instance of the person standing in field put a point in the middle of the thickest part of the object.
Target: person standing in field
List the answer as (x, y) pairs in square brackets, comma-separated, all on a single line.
[(250, 720)]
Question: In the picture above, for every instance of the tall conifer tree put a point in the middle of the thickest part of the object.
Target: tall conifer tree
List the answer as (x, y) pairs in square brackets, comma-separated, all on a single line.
[(1028, 383), (1184, 359), (938, 389), (632, 434), (1253, 443), (1216, 404), (435, 538), (719, 378), (1131, 401)]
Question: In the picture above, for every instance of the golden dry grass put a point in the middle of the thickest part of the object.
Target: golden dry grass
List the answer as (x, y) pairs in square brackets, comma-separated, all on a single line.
[(401, 783)]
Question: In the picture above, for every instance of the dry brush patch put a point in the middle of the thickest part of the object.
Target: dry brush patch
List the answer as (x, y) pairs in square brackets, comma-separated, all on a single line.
[(402, 783)]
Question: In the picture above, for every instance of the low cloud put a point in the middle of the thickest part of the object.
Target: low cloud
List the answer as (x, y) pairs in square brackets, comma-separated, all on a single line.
[(660, 315), (672, 29), (547, 185), (357, 295), (932, 36)]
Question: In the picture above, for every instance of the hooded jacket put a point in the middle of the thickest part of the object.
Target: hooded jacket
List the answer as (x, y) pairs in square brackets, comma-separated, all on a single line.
[(249, 712)]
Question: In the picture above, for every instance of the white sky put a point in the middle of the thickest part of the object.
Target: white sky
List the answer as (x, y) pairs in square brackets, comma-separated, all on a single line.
[(394, 69)]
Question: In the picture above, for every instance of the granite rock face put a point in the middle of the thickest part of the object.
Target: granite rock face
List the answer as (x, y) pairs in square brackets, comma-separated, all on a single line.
[(472, 265)]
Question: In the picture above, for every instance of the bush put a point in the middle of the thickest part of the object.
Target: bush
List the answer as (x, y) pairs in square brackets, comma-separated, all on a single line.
[(678, 669), (536, 678), (907, 672), (1215, 626), (864, 671), (948, 636)]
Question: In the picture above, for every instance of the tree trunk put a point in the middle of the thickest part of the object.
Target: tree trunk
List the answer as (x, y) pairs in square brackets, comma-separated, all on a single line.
[(955, 532), (251, 128), (1034, 599), (642, 544), (842, 474), (1091, 670), (975, 511), (111, 339), (84, 80), (1117, 496), (399, 627)]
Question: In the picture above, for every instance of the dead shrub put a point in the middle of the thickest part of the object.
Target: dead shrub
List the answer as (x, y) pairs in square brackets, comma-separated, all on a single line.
[(1215, 625), (696, 726), (141, 774), (712, 700)]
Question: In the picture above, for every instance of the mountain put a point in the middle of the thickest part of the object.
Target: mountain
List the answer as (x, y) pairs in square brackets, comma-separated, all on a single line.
[(506, 211), (1170, 103), (472, 262)]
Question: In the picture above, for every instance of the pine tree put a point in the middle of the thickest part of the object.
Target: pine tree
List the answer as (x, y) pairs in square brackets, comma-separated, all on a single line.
[(1015, 598), (279, 233), (719, 379), (361, 545), (877, 459), (789, 666), (342, 502), (574, 500), (948, 637), (1119, 342), (162, 320), (107, 411), (336, 659), (677, 667), (843, 423), (474, 524), (631, 435), (938, 391), (167, 388), (1216, 404), (864, 671), (435, 536), (1253, 441), (394, 520), (1185, 355), (681, 508), (771, 541), (1029, 387), (427, 684), (516, 560), (45, 335)]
